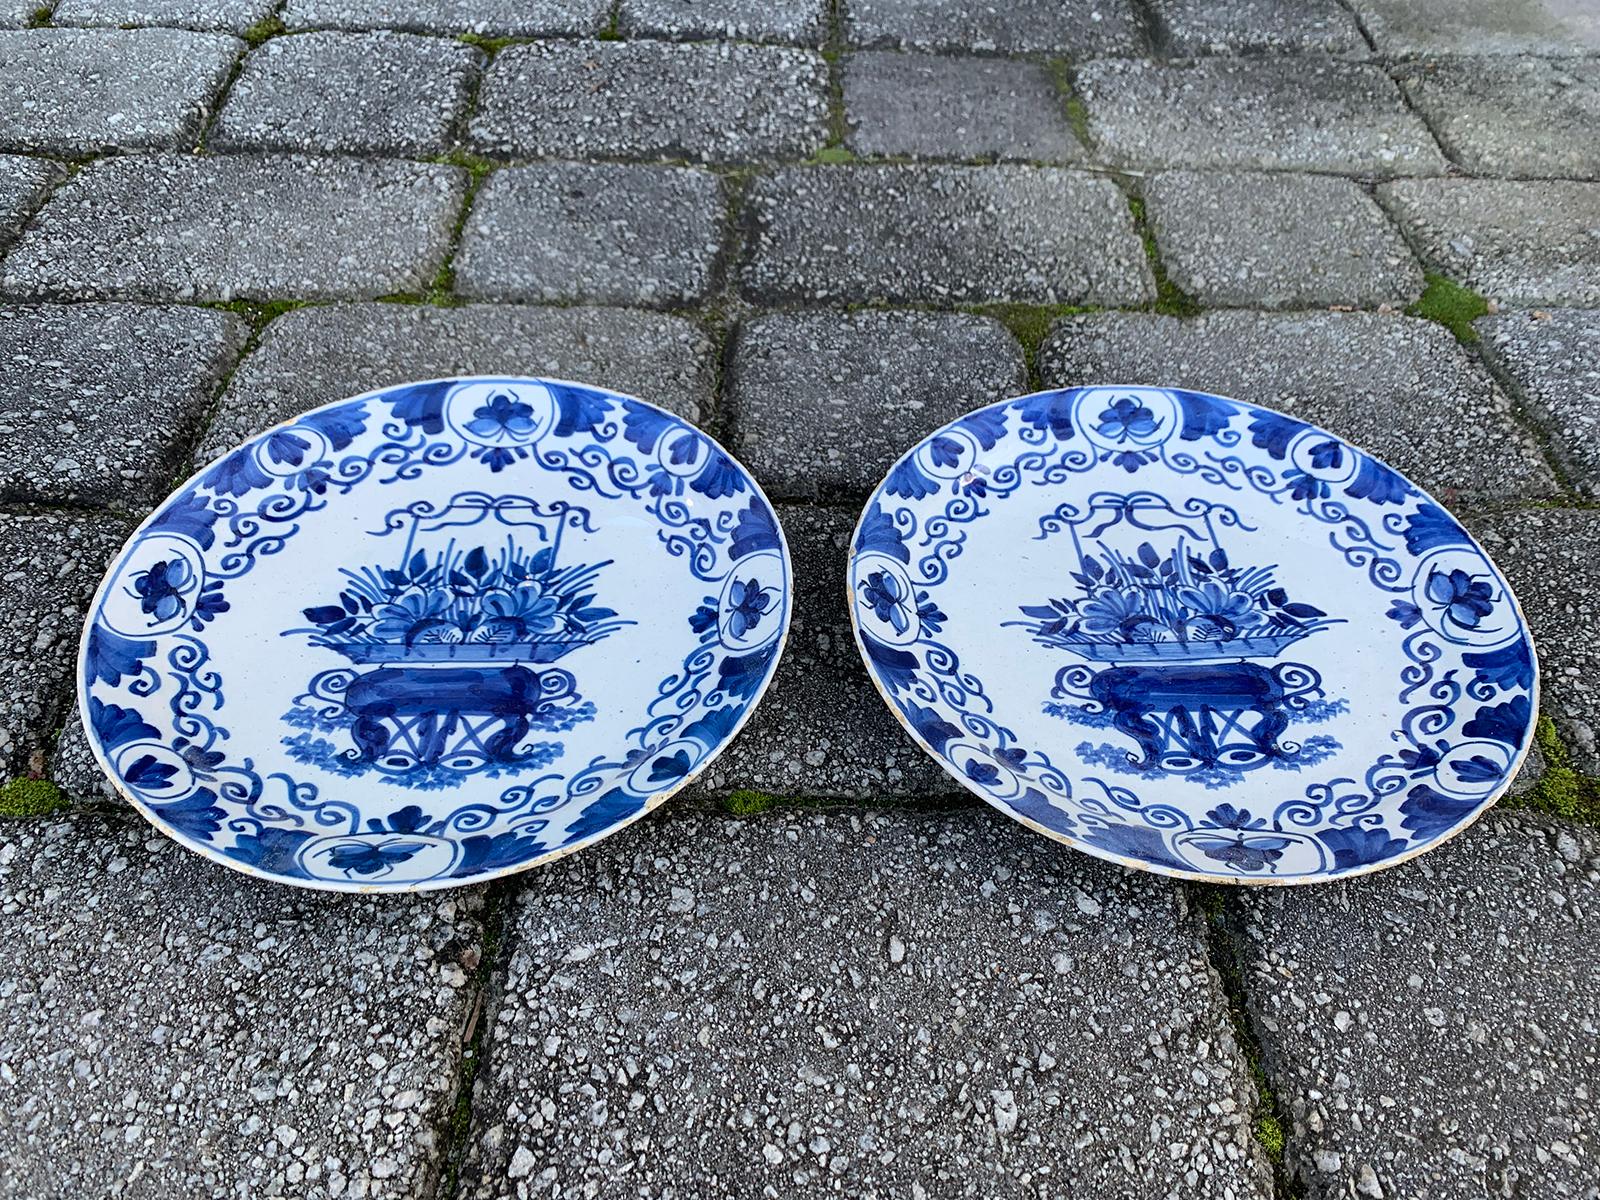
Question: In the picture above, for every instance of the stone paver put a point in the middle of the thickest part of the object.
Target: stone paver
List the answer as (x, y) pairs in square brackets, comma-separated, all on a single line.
[(491, 18), (368, 93), (317, 355), (81, 91), (1400, 387), (1270, 113), (822, 731), (165, 227), (17, 14), (1431, 1030), (1073, 27), (1194, 27), (652, 100), (1512, 116), (97, 400), (1408, 27), (1553, 360), (934, 106), (801, 22), (824, 403), (607, 233), (1552, 559), (234, 16), (24, 182), (173, 1029), (1520, 243), (1287, 241), (943, 234), (52, 565), (935, 1004)]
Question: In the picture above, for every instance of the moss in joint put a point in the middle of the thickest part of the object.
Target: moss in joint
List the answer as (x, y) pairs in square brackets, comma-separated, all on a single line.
[(747, 802), (832, 155), (270, 27), (1561, 791), (30, 798), (39, 17), (1029, 324), (1450, 304), (1171, 300), (489, 45)]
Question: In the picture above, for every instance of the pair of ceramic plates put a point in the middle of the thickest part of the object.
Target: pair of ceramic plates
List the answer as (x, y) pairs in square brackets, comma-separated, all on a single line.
[(443, 632)]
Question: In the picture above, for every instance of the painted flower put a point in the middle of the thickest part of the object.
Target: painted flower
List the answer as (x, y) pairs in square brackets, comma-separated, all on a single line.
[(886, 596), (1464, 599), (1217, 613), (504, 417), (527, 604), (748, 602), (378, 858), (1126, 418), (161, 589), (1114, 612), (400, 619), (1254, 854)]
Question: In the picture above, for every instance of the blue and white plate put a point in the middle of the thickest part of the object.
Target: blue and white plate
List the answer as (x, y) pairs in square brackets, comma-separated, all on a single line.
[(435, 634), (1192, 635)]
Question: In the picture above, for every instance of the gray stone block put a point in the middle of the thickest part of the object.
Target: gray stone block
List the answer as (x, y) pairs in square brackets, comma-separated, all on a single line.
[(605, 233), (24, 183), (1078, 28), (652, 100), (929, 1004), (17, 14), (901, 234), (314, 356), (822, 732), (1512, 116), (932, 106), (1552, 558), (1194, 27), (800, 22), (1430, 1029), (184, 1031), (1278, 241), (82, 91), (1399, 387), (232, 16), (1553, 361), (1521, 243), (1299, 112), (823, 403), (1407, 27), (53, 563), (363, 93), (491, 18), (177, 227), (97, 401)]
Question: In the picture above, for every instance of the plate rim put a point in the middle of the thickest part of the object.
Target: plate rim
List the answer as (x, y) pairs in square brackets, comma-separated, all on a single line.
[(1126, 861), (654, 801)]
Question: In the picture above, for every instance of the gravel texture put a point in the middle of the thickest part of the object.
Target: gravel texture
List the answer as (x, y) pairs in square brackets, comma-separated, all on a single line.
[(52, 563), (233, 16), (930, 1004), (17, 14), (1288, 241), (801, 22), (1193, 27), (490, 18), (83, 91), (98, 400), (1553, 361), (822, 732), (183, 1031), (1077, 28), (1431, 1030), (652, 100), (932, 106), (1265, 112), (1521, 243), (1522, 116), (317, 355), (605, 233), (943, 234), (175, 227), (1400, 387), (24, 182), (364, 93), (1409, 27), (824, 403), (1552, 559)]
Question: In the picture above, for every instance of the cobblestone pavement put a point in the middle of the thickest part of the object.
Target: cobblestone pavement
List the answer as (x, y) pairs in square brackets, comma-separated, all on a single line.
[(819, 228)]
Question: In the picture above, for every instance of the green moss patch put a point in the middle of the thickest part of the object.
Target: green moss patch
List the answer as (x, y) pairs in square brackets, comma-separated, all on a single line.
[(262, 30), (832, 155), (1029, 324), (747, 802), (1171, 300), (1562, 790), (1448, 303), (489, 45), (30, 798)]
